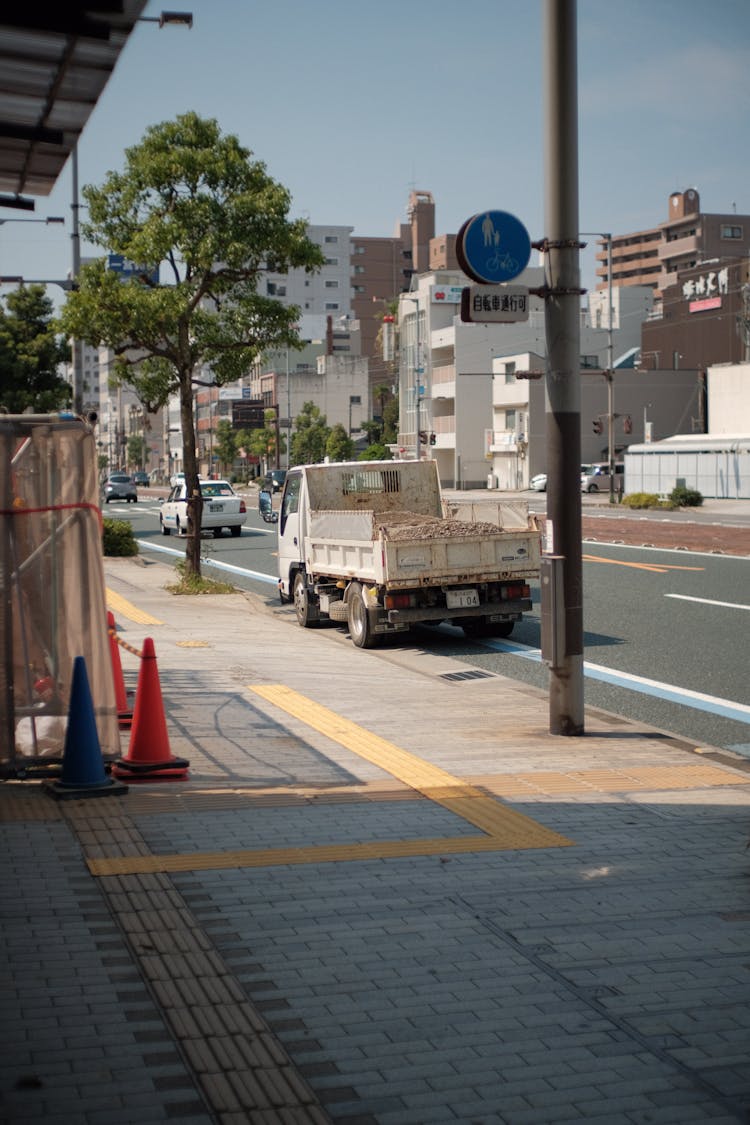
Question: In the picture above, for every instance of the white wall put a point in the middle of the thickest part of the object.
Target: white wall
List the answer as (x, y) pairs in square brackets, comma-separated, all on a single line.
[(729, 398)]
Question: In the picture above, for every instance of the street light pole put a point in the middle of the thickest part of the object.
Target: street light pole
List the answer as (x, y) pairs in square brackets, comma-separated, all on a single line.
[(288, 411), (610, 372), (417, 378)]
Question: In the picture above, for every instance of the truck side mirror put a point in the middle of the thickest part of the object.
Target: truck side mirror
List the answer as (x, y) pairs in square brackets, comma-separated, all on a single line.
[(265, 507)]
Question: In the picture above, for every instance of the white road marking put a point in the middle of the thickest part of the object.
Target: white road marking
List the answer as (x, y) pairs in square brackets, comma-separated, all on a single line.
[(707, 601)]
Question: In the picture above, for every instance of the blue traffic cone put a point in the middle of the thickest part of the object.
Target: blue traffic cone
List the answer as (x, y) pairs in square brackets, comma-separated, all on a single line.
[(83, 773)]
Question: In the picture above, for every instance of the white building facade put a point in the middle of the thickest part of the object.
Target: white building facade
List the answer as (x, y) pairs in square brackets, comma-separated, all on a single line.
[(458, 384)]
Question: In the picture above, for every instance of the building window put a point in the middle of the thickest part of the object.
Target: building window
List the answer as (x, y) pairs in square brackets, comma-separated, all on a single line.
[(332, 285), (332, 261), (331, 238), (359, 269), (510, 372), (332, 304), (731, 232), (359, 288), (511, 417)]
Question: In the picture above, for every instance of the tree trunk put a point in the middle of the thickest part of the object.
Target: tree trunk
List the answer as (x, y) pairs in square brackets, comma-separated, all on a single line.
[(192, 485)]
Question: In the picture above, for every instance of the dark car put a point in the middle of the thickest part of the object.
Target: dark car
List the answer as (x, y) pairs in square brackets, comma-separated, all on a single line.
[(141, 478), (120, 486), (274, 479)]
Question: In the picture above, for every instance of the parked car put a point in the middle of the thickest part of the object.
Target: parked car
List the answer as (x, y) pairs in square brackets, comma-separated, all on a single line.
[(273, 481), (595, 478), (222, 507), (120, 486), (538, 483), (141, 478)]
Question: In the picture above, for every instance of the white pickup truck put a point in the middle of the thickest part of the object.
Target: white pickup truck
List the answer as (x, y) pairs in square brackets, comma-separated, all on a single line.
[(372, 544)]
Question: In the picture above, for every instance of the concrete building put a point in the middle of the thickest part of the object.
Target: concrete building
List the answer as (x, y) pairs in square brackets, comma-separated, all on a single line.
[(702, 320), (475, 416), (686, 239), (648, 406), (323, 293)]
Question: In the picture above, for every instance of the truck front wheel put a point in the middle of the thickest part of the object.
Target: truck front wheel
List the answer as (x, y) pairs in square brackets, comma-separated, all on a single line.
[(307, 612), (360, 629)]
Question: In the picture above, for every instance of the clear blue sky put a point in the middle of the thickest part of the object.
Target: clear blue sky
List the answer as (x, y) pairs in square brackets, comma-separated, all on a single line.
[(350, 105)]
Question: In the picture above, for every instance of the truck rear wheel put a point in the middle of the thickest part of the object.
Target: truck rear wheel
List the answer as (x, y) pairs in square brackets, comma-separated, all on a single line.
[(304, 607), (360, 629)]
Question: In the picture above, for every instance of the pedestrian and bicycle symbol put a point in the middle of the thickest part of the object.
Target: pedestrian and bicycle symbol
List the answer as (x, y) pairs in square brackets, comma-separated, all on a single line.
[(493, 247)]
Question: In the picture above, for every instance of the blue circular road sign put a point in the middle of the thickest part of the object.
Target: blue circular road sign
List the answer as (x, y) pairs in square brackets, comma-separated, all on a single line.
[(493, 247)]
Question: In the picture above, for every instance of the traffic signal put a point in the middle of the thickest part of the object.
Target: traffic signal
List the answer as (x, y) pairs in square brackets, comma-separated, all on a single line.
[(433, 439), (597, 425), (423, 437), (627, 424)]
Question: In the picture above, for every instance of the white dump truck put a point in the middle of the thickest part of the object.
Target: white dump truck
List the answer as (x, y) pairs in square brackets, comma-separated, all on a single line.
[(373, 545)]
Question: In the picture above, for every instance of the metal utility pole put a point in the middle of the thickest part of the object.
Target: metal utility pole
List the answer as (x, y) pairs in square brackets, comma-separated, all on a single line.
[(610, 376), (563, 394), (76, 345)]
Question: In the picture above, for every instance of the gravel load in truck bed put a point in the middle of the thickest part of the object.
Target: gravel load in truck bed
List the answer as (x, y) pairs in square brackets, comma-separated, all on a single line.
[(399, 526)]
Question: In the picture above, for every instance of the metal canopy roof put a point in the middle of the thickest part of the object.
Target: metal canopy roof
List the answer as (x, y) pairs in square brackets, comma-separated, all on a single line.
[(55, 60)]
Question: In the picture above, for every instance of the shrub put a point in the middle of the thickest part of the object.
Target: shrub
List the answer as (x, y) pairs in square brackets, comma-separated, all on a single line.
[(197, 584), (118, 540), (683, 497), (642, 500)]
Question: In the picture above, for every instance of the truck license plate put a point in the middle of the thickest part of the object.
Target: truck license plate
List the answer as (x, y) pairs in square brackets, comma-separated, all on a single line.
[(461, 599)]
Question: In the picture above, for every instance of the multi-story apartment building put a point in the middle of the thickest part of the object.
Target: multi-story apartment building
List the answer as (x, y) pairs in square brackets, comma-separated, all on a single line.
[(688, 237)]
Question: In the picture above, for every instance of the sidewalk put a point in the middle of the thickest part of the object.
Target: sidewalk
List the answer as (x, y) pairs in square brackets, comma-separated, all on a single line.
[(385, 895)]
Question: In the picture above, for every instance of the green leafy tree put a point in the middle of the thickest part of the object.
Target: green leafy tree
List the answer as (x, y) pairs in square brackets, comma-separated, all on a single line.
[(194, 202), (382, 394), (225, 445), (339, 446), (136, 451), (263, 442), (30, 354), (390, 421), (376, 452), (310, 436)]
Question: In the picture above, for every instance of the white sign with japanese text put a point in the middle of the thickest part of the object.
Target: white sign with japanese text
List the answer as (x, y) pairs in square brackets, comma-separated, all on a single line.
[(495, 304)]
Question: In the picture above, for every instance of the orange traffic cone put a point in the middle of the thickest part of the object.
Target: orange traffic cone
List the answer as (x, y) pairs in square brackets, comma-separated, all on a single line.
[(83, 773), (149, 757), (124, 714)]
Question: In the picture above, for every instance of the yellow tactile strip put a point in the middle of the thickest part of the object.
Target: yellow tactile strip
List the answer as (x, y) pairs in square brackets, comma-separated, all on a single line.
[(623, 780), (501, 823), (121, 605), (504, 828)]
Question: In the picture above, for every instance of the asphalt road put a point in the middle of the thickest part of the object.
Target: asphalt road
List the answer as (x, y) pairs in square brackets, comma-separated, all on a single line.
[(664, 631)]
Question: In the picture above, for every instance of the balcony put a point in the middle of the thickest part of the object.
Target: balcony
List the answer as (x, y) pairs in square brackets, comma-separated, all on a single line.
[(507, 441)]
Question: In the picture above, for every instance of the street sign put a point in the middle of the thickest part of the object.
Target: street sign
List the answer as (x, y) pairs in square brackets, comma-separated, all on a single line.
[(494, 304), (493, 247), (127, 270)]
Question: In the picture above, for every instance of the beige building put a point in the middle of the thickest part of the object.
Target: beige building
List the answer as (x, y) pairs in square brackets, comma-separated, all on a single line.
[(688, 237)]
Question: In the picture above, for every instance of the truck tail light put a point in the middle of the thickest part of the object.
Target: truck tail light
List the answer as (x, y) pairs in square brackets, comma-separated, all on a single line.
[(518, 590), (398, 601)]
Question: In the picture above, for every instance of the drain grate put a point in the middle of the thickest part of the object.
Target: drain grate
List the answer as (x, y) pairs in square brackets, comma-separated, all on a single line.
[(471, 674)]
